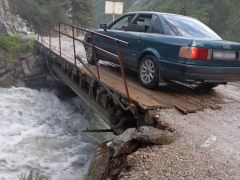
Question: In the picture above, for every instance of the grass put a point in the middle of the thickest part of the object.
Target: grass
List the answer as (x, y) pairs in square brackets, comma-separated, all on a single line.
[(15, 46), (32, 176)]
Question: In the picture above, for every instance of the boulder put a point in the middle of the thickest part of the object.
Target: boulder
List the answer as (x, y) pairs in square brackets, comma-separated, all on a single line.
[(109, 159), (32, 65), (128, 141), (7, 79)]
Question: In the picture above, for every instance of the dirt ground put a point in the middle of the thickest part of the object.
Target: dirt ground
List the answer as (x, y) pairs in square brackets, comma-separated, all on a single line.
[(209, 146)]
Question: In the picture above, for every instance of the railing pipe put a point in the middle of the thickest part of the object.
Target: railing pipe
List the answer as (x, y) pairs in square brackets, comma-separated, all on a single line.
[(74, 46), (60, 48), (99, 34), (50, 40)]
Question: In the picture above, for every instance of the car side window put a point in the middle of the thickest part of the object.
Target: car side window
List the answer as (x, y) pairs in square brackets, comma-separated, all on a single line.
[(141, 24), (156, 26), (123, 23)]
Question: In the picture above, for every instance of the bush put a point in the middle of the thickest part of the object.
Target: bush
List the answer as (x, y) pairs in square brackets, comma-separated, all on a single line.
[(15, 46)]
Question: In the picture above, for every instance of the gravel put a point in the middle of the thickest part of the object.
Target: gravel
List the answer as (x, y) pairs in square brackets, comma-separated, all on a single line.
[(208, 148)]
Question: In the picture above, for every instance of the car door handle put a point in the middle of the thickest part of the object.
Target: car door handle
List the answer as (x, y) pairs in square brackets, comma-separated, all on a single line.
[(139, 39)]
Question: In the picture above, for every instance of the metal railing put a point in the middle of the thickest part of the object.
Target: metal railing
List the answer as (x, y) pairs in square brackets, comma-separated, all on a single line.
[(117, 42)]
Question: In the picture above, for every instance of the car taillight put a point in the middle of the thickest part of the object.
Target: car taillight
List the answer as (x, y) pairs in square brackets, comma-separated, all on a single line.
[(195, 53)]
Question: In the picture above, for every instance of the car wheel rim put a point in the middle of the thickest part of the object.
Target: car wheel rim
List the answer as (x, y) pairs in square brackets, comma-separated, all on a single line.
[(89, 52), (147, 71)]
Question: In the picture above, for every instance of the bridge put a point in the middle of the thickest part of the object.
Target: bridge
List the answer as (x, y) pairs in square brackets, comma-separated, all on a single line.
[(109, 89)]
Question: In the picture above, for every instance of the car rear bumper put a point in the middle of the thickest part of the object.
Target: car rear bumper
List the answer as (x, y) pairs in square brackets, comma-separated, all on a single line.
[(199, 74)]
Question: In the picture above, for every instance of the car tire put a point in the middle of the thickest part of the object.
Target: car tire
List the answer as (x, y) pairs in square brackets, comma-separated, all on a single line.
[(89, 54), (148, 72)]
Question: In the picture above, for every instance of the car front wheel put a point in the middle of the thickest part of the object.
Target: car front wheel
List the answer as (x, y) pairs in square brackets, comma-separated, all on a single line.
[(149, 72)]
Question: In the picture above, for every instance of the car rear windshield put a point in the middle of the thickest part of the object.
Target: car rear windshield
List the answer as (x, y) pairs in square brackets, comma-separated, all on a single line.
[(188, 27)]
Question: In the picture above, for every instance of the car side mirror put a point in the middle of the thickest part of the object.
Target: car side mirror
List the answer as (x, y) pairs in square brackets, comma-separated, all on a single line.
[(103, 26)]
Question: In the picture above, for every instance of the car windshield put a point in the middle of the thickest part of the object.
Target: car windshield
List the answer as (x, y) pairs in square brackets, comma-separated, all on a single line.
[(189, 27)]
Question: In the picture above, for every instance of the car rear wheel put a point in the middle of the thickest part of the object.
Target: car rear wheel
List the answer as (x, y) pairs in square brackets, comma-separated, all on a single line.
[(89, 54), (149, 72)]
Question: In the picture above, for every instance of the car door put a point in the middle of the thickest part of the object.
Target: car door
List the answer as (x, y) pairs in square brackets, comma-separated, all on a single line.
[(119, 25), (134, 35)]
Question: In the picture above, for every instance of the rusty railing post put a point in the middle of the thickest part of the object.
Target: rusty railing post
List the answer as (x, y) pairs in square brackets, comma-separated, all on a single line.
[(74, 46), (94, 54), (122, 70), (38, 36), (49, 33), (59, 31), (41, 36), (40, 31)]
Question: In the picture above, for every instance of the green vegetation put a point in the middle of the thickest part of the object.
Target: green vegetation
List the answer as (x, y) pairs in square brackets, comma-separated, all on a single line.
[(15, 46), (39, 13), (223, 16), (92, 174), (33, 176), (81, 12)]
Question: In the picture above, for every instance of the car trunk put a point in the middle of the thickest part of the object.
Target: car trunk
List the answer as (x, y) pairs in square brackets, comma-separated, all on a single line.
[(223, 53)]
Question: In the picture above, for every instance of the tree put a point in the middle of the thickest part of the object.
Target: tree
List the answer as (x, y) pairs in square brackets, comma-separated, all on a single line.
[(81, 12), (40, 13)]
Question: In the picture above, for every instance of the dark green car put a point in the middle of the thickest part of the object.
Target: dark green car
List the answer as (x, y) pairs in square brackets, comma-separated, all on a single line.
[(167, 48)]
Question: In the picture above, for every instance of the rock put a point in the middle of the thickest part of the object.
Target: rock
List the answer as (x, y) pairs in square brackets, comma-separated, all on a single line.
[(151, 135), (2, 61), (99, 163), (28, 71), (132, 138), (26, 68), (124, 144), (19, 72), (19, 83), (7, 79), (32, 65), (6, 23), (2, 71), (109, 160)]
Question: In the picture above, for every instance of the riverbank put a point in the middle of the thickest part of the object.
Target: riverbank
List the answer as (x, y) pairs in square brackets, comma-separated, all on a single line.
[(19, 64)]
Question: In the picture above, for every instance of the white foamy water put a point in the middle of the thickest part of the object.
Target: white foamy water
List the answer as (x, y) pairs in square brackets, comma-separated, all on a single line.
[(38, 131)]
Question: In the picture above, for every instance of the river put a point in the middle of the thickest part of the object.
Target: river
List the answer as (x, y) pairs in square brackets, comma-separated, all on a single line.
[(40, 132)]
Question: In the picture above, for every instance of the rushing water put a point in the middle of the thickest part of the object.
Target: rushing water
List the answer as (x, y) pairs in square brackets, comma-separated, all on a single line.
[(38, 131)]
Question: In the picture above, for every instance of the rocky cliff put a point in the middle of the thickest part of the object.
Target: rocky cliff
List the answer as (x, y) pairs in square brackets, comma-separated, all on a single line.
[(6, 19)]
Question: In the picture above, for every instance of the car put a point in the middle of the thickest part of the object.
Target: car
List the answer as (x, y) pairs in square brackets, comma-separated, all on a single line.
[(165, 48)]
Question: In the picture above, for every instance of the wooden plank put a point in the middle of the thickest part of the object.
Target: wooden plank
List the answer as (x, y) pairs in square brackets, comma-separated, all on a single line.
[(116, 83)]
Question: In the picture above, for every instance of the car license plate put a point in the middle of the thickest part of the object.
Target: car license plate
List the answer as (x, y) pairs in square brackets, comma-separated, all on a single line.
[(224, 55)]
